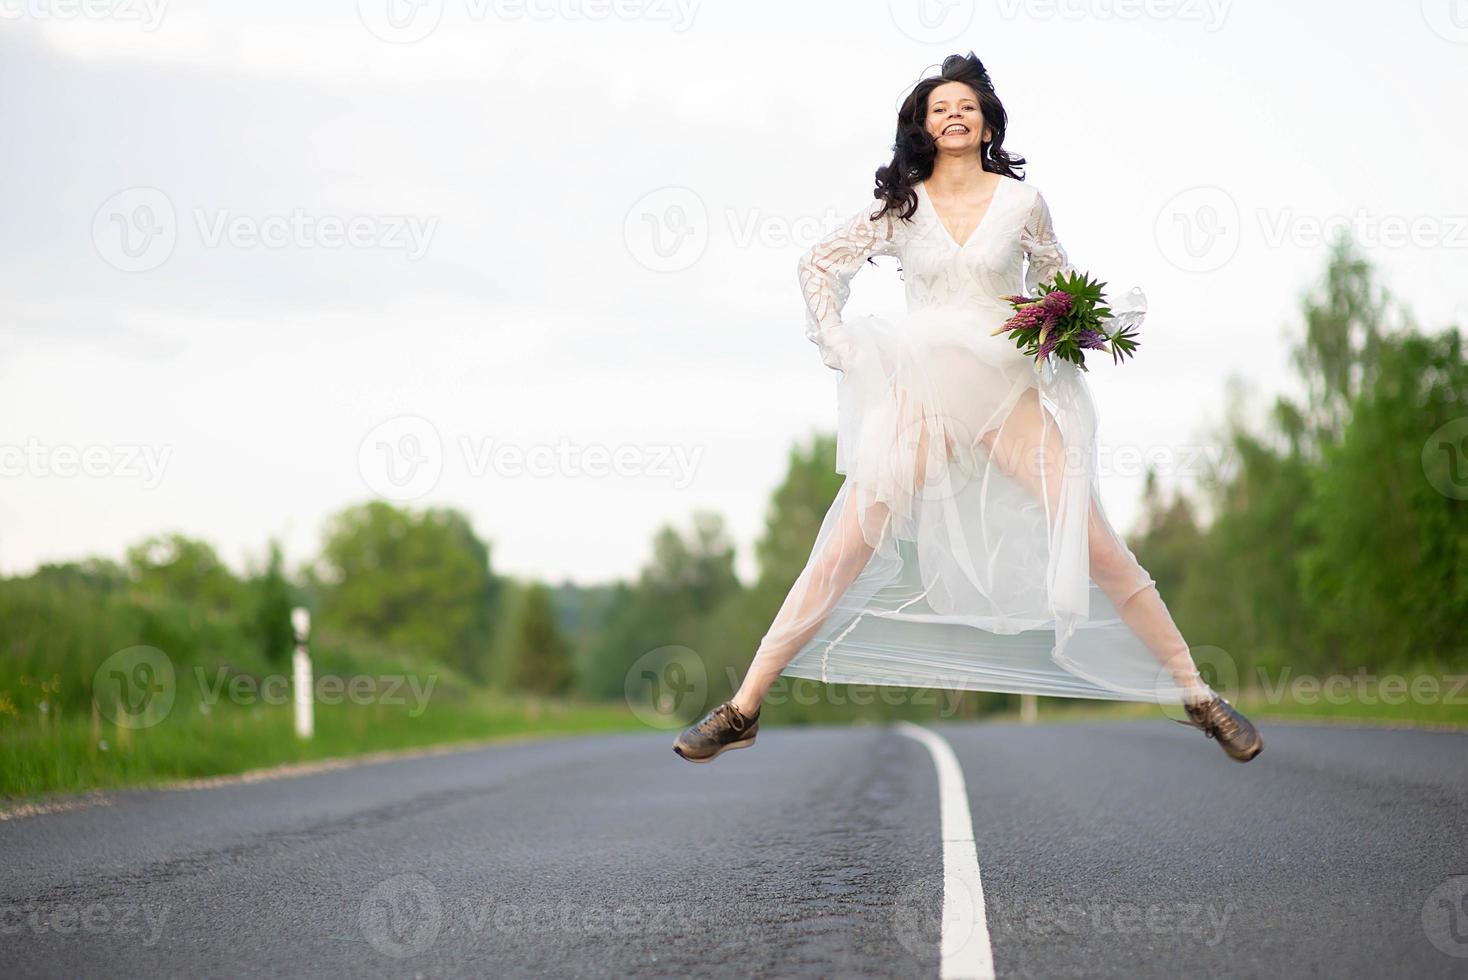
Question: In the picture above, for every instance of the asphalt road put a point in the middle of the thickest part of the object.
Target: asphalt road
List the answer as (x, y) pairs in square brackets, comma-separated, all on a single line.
[(1107, 850)]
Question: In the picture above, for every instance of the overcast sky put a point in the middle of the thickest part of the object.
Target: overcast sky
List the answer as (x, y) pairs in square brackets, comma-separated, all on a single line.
[(536, 260)]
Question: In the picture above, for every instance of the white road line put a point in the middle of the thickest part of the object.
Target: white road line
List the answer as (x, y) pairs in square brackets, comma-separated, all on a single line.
[(964, 950)]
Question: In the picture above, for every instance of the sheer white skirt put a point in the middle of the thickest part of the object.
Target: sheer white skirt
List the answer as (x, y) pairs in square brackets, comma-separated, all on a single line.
[(967, 547)]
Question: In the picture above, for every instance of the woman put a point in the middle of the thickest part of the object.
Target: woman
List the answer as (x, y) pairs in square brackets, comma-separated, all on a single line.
[(967, 547)]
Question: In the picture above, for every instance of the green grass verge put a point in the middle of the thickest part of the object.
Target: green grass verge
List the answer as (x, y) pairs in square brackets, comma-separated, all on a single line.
[(80, 754)]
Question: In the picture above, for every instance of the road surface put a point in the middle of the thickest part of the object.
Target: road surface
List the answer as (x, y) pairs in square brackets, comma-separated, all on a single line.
[(1105, 850)]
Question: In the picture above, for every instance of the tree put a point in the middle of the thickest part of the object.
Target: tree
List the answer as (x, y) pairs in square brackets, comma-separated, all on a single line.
[(1344, 324), (687, 578), (1388, 568), (794, 516), (183, 569), (272, 609), (539, 655), (420, 581)]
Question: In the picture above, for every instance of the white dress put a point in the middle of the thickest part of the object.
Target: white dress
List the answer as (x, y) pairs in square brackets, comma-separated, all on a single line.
[(970, 514)]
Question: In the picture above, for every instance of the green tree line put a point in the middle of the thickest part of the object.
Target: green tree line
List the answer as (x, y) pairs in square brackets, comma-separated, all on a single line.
[(1332, 536)]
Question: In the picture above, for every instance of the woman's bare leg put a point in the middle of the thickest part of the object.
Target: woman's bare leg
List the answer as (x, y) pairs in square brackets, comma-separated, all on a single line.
[(806, 606), (1028, 448), (821, 585)]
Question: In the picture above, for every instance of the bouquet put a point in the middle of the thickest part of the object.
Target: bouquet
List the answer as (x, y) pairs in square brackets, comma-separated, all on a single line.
[(1070, 317)]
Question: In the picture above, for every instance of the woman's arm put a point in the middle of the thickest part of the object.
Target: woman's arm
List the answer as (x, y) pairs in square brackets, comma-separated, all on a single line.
[(825, 273), (1045, 252)]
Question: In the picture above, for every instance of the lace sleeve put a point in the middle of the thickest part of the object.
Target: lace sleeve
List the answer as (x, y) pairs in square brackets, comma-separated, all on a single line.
[(1046, 255), (826, 271)]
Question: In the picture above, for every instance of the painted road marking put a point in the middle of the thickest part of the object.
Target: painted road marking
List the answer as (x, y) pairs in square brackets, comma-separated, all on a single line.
[(964, 950)]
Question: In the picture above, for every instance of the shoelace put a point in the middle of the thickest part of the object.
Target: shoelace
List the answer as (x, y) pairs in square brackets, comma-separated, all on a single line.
[(719, 717), (1217, 722)]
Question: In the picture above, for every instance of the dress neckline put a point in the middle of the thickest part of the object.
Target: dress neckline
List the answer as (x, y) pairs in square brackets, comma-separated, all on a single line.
[(933, 210)]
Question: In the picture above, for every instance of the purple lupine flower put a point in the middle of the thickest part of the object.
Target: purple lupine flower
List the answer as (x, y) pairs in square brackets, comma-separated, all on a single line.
[(1048, 342), (1027, 316), (1089, 338), (1057, 302)]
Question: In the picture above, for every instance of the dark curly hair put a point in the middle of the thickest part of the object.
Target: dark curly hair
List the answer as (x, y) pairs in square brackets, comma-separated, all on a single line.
[(913, 150)]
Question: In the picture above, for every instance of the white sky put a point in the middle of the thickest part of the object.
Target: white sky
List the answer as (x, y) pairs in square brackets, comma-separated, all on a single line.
[(515, 173)]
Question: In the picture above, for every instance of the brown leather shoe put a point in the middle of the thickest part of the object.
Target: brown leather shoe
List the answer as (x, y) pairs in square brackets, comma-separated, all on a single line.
[(1221, 720), (725, 727)]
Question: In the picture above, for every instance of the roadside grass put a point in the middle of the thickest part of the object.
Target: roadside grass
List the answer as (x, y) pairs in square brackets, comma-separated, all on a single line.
[(43, 756), (79, 754)]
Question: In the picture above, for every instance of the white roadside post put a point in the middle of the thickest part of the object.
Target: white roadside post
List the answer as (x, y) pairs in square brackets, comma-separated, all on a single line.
[(305, 721), (1029, 709)]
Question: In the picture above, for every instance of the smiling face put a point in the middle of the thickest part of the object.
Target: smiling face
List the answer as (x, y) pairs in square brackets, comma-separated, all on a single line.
[(954, 120)]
